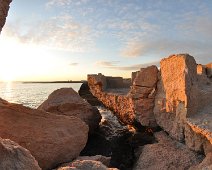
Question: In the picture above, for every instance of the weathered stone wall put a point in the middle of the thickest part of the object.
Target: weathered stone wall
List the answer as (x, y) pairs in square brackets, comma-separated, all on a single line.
[(4, 8), (177, 98), (135, 104)]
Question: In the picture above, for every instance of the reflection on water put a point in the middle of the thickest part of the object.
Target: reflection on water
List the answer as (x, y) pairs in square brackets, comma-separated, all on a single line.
[(31, 95), (8, 91)]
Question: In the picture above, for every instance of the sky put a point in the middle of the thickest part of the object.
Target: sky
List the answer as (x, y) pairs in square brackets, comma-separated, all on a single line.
[(47, 40)]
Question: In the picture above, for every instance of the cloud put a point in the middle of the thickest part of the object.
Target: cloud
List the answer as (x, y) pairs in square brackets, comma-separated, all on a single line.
[(64, 3), (114, 65), (106, 63), (60, 32), (163, 47), (74, 64)]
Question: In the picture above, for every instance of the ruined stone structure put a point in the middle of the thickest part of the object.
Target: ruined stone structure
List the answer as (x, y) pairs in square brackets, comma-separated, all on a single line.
[(177, 98), (131, 104), (4, 8)]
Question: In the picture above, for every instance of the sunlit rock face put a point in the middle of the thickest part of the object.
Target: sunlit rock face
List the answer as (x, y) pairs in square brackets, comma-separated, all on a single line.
[(183, 102), (51, 139), (133, 103), (4, 8), (66, 101)]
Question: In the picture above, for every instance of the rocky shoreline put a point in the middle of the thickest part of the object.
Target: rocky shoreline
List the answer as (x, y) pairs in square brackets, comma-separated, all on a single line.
[(163, 120), (160, 120)]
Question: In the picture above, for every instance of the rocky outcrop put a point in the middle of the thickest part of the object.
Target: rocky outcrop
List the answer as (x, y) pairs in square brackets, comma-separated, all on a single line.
[(4, 8), (166, 154), (130, 105), (51, 139), (13, 156), (66, 101), (183, 102), (142, 93)]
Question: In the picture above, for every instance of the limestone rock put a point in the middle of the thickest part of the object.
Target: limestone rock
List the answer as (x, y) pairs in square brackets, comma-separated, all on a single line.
[(85, 165), (85, 93), (103, 159), (51, 139), (4, 8), (209, 70), (13, 156), (147, 77), (167, 154), (206, 164), (175, 99), (87, 162), (66, 101)]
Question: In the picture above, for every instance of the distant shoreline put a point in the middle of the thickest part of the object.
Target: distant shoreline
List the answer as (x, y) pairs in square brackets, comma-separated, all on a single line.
[(26, 82)]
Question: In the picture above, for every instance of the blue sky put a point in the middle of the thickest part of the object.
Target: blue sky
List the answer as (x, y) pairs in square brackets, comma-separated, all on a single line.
[(68, 39)]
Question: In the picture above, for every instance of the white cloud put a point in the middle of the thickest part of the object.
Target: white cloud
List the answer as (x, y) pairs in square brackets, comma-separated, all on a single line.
[(64, 3), (74, 64), (60, 32), (114, 65)]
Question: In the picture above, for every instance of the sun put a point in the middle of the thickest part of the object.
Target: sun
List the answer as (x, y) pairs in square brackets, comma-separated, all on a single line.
[(7, 77)]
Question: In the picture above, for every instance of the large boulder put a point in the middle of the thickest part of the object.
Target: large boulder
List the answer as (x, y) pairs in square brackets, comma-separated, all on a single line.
[(167, 154), (66, 101), (13, 156), (51, 139)]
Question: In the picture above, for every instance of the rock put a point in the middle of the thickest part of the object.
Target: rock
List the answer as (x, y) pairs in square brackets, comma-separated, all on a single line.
[(4, 8), (103, 159), (209, 70), (201, 69), (206, 164), (147, 77), (85, 165), (51, 139), (175, 99), (13, 156), (167, 154), (85, 93), (66, 101)]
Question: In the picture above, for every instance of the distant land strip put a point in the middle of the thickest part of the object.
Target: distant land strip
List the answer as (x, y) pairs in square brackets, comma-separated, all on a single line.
[(82, 81)]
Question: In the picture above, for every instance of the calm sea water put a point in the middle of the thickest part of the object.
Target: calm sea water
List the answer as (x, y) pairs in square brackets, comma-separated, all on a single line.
[(32, 94)]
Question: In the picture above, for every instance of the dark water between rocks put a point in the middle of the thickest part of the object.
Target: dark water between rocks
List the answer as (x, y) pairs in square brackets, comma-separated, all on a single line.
[(112, 138), (116, 140)]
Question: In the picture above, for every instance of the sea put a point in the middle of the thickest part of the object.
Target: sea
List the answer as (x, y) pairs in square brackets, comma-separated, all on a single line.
[(31, 94)]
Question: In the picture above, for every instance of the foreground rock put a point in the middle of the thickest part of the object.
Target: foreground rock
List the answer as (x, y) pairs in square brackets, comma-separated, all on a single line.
[(51, 139), (66, 101), (167, 154), (206, 164), (97, 162), (13, 156), (4, 8)]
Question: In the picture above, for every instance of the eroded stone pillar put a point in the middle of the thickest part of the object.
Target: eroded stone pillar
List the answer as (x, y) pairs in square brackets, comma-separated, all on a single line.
[(175, 99)]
